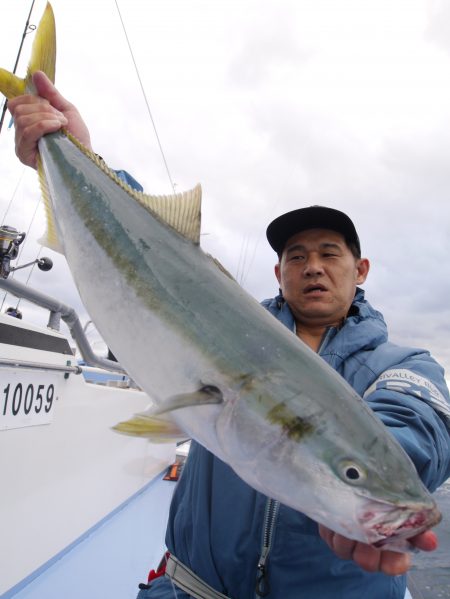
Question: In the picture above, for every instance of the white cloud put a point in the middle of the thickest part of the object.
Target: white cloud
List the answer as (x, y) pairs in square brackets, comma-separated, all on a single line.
[(271, 106)]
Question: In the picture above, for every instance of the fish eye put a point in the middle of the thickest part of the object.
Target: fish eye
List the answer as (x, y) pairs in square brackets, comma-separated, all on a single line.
[(351, 472)]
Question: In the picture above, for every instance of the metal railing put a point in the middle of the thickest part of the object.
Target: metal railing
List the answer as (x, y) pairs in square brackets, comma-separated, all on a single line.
[(59, 311)]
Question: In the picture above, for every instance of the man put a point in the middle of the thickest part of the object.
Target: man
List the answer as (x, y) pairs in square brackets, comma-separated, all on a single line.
[(232, 540)]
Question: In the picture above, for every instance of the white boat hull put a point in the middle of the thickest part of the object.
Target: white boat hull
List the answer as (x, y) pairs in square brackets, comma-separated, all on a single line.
[(59, 479)]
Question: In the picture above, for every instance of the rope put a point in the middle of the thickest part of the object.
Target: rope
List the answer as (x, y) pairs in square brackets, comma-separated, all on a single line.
[(145, 97)]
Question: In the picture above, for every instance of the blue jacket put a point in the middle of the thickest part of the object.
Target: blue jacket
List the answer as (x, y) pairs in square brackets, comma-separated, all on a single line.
[(216, 522)]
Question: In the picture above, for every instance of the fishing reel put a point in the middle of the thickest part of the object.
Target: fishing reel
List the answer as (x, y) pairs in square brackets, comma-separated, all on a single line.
[(10, 239)]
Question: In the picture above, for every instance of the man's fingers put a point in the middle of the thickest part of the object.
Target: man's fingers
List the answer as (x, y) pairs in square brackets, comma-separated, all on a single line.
[(427, 541), (46, 89), (367, 557), (27, 138), (343, 547), (394, 563), (372, 559)]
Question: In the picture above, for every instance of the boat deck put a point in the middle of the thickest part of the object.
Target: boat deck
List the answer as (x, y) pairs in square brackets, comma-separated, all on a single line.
[(98, 566)]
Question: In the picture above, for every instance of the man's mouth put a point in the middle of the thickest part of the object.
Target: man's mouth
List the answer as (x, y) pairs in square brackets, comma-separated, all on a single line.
[(311, 289)]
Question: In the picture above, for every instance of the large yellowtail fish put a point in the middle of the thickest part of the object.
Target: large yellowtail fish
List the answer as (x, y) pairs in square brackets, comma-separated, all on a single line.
[(228, 373)]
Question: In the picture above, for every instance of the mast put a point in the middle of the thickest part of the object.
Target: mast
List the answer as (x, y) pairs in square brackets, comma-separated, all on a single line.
[(27, 29)]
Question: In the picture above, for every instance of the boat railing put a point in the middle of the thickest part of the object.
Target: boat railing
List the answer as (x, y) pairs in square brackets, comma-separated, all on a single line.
[(58, 311)]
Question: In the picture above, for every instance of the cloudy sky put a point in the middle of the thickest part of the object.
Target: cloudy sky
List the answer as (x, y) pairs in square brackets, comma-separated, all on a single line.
[(271, 105)]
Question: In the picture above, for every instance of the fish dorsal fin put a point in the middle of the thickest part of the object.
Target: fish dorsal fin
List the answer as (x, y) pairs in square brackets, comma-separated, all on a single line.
[(43, 53), (182, 211), (221, 267)]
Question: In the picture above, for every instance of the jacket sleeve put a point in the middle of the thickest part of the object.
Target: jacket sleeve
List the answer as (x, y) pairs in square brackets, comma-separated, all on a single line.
[(411, 398), (131, 181)]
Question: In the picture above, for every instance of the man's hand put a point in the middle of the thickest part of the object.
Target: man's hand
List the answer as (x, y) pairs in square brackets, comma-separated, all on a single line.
[(34, 116), (376, 560)]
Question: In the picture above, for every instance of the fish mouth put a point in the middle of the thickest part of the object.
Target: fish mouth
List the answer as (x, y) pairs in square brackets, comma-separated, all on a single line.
[(390, 527)]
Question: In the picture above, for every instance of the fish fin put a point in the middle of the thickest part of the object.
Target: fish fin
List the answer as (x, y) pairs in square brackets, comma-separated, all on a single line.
[(50, 239), (43, 53), (43, 58), (182, 211), (221, 267), (154, 428), (207, 394), (11, 85)]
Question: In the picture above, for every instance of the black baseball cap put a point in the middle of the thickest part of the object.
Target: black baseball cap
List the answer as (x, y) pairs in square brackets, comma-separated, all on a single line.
[(314, 217)]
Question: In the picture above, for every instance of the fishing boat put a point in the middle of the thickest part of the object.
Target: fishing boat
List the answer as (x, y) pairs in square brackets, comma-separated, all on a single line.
[(65, 474)]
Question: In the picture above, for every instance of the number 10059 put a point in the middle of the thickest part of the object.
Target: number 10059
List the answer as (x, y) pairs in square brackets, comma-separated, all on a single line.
[(24, 399)]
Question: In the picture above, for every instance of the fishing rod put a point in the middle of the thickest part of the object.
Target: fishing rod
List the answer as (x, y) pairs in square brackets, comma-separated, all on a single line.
[(28, 29)]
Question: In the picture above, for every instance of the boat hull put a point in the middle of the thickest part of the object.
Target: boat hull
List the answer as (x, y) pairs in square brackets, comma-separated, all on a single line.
[(61, 477)]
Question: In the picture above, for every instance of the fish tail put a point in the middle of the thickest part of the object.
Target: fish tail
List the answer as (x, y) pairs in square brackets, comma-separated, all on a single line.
[(43, 53), (11, 85), (43, 58)]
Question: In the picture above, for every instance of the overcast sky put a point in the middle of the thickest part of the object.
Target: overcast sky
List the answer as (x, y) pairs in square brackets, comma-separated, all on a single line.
[(271, 105)]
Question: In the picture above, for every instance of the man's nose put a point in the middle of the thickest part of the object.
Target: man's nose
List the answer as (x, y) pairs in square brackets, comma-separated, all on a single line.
[(313, 267)]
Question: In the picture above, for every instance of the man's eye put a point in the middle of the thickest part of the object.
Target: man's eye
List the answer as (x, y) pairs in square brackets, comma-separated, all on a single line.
[(297, 257)]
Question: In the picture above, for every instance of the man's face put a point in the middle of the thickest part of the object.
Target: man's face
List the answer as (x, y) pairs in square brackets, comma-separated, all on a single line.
[(318, 275)]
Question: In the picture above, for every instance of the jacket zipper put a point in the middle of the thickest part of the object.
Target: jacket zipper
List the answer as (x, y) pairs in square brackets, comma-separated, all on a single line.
[(272, 506), (262, 584)]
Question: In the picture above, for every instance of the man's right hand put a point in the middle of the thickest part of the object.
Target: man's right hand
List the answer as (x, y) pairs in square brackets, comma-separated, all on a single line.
[(35, 116), (376, 560)]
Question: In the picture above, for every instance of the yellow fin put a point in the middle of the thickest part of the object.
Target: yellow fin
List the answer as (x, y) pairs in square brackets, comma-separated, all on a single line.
[(43, 58), (50, 239), (182, 211), (43, 53), (11, 85), (155, 429)]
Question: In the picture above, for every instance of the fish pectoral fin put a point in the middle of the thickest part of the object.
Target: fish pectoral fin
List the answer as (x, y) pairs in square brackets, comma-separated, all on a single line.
[(157, 425), (152, 427), (206, 395)]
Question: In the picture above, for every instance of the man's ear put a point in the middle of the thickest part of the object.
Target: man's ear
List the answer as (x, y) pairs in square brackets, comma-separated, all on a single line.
[(277, 272), (363, 267)]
